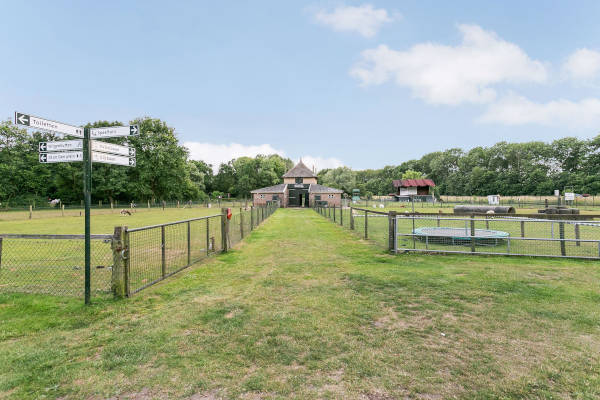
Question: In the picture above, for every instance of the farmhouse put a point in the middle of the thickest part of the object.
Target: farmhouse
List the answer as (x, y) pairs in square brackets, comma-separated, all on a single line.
[(407, 188), (299, 189)]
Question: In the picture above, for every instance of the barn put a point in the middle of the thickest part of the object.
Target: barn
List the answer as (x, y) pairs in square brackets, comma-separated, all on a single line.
[(299, 189)]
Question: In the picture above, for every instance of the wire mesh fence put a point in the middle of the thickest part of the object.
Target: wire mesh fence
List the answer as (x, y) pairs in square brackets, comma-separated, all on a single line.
[(368, 224), (483, 234), (159, 251), (499, 235), (134, 258), (54, 264)]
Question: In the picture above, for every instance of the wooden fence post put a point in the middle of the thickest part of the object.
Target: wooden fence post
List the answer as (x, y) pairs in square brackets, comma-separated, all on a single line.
[(118, 270), (522, 229), (366, 224), (224, 230), (341, 216), (334, 213), (351, 218), (472, 233), (251, 218), (577, 235), (0, 252), (561, 229), (241, 222), (30, 211), (62, 209)]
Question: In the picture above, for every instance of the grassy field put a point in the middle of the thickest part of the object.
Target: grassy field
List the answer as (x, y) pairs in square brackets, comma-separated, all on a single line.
[(102, 223), (303, 309)]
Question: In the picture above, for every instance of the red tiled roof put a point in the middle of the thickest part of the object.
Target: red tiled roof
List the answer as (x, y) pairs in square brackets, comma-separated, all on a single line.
[(413, 182)]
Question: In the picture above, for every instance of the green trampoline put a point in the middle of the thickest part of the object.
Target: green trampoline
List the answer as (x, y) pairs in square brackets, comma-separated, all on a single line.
[(460, 236)]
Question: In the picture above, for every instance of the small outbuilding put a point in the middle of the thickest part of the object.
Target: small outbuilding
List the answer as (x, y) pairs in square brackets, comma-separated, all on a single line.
[(299, 189), (418, 189)]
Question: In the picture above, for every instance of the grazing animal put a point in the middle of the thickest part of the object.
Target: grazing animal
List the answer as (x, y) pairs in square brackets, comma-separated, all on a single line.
[(381, 206), (54, 202), (490, 212), (125, 212)]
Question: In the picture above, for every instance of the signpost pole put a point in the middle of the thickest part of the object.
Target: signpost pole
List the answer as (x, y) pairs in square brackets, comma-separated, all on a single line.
[(87, 197)]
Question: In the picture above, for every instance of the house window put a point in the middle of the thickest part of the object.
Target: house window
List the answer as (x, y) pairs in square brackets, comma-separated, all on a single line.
[(275, 197), (331, 196), (299, 180), (262, 196), (317, 197)]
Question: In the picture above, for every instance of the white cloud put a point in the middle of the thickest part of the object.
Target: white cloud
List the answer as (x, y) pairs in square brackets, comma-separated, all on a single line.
[(321, 163), (518, 110), (216, 154), (365, 20), (582, 64), (442, 74)]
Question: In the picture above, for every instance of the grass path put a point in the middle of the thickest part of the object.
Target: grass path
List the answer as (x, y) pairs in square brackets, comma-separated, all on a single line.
[(302, 309)]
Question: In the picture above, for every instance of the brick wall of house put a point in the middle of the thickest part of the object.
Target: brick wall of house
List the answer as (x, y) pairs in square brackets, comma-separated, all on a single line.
[(335, 200), (261, 201)]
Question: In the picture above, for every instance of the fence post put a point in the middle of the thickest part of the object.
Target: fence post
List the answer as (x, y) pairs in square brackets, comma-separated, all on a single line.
[(351, 218), (30, 211), (561, 229), (577, 235), (127, 260), (251, 218), (241, 222), (472, 233), (334, 213), (341, 216), (207, 235), (118, 270), (224, 232), (163, 249), (0, 252), (189, 243), (366, 224), (522, 229), (392, 231)]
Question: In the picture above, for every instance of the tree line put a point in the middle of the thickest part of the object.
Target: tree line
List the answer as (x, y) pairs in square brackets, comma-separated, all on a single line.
[(164, 170), (510, 169)]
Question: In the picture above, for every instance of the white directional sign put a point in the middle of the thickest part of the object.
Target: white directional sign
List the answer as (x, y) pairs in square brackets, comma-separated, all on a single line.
[(114, 131), (64, 145), (61, 145), (67, 156), (46, 124), (113, 148), (112, 159)]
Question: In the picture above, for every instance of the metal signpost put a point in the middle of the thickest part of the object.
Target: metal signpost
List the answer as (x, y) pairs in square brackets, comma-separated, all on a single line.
[(85, 150)]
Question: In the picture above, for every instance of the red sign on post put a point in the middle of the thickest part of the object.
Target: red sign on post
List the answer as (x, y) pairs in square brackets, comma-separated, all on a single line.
[(229, 213)]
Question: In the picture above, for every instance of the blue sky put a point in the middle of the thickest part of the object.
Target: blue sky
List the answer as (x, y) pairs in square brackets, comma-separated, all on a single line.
[(363, 84)]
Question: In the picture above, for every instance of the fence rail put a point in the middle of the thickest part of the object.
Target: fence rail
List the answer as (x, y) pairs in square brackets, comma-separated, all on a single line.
[(571, 236), (123, 263)]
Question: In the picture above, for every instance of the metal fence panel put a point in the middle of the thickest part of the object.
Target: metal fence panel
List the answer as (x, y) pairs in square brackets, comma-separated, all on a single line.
[(499, 235), (53, 264)]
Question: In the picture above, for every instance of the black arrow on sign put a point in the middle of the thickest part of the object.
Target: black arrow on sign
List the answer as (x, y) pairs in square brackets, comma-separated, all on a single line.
[(132, 162), (132, 151), (43, 146), (43, 158), (133, 130), (23, 119)]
